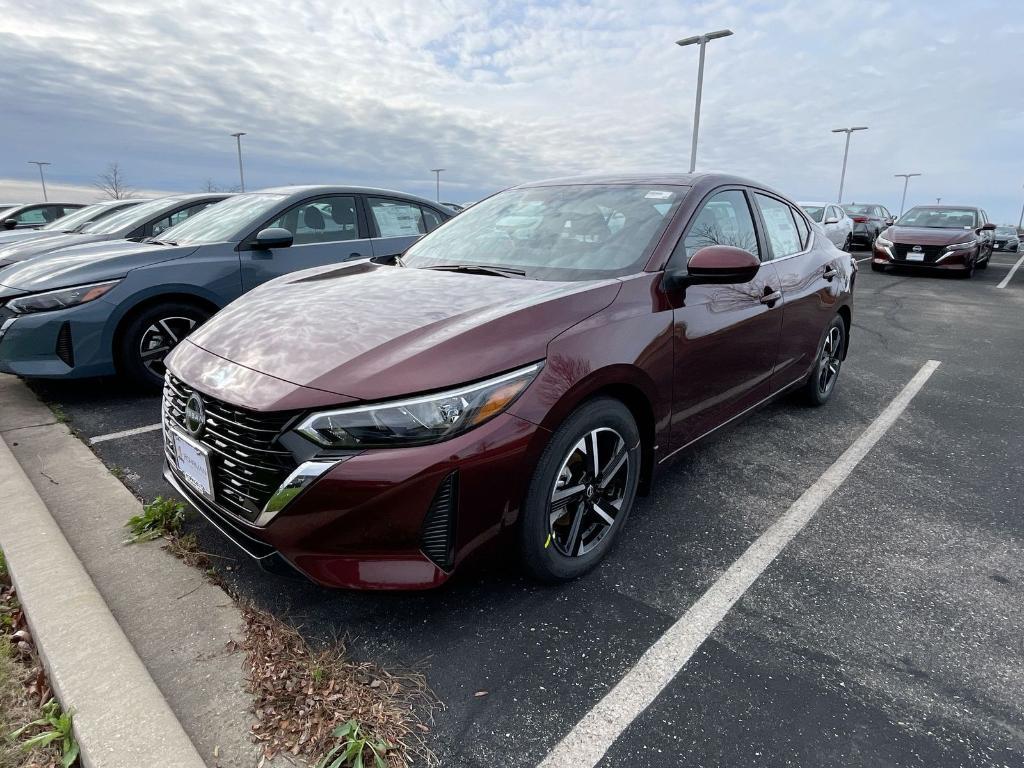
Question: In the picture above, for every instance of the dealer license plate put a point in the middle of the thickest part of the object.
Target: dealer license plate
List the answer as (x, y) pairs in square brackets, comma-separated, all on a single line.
[(193, 463), (911, 256)]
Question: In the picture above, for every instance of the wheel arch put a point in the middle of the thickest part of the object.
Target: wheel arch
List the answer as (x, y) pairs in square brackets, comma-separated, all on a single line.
[(145, 302), (847, 315)]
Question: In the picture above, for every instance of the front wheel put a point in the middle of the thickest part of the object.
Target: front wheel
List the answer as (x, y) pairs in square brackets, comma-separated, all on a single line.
[(151, 335), (823, 378), (848, 244), (581, 492)]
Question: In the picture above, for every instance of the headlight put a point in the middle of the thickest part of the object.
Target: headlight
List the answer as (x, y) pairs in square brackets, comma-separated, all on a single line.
[(883, 242), (961, 246), (419, 420), (59, 299)]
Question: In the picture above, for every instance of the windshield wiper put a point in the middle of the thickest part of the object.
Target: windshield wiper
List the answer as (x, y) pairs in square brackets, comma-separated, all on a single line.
[(159, 242), (479, 269)]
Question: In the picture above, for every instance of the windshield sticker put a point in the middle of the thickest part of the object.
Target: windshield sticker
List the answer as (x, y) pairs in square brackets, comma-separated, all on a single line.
[(658, 194)]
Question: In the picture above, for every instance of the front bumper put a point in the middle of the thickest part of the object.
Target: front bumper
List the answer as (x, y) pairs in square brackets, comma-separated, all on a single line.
[(65, 343), (369, 521)]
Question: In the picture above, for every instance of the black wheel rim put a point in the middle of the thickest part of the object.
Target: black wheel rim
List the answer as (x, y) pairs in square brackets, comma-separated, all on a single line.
[(159, 339), (590, 489), (830, 361)]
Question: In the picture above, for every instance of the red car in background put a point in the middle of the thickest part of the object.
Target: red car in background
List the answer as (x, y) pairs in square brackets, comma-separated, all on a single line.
[(953, 238), (514, 380)]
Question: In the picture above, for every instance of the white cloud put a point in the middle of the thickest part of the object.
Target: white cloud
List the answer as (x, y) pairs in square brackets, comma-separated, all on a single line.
[(509, 91)]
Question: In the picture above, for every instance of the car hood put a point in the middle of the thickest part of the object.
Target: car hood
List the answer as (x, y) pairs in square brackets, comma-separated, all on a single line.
[(22, 249), (928, 235), (371, 332), (85, 264), (9, 237)]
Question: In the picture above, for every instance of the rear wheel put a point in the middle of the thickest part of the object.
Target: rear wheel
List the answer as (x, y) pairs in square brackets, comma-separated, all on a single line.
[(151, 335), (581, 492), (848, 245), (823, 378)]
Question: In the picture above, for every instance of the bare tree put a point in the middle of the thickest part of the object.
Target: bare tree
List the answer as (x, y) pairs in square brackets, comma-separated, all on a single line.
[(211, 186), (112, 183)]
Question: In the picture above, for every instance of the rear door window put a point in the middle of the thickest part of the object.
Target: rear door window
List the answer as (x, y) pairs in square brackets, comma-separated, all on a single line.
[(783, 236), (395, 218)]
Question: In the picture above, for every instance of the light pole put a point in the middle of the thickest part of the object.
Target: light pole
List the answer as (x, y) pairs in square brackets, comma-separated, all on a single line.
[(906, 180), (437, 180), (846, 153), (241, 174), (42, 181), (1020, 221), (703, 40), (938, 201)]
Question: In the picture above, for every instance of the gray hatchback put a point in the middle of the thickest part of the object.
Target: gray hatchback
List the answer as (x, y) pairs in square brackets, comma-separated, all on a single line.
[(120, 307)]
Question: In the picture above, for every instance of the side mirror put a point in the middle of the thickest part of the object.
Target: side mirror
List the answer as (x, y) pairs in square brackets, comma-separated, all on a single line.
[(10, 223), (987, 227), (721, 264), (832, 220), (890, 221), (273, 237)]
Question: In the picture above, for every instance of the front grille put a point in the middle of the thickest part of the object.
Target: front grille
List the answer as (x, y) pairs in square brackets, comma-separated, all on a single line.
[(931, 252), (438, 537), (246, 461), (64, 349)]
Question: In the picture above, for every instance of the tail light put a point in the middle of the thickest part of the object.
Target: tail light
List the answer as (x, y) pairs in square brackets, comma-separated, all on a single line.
[(860, 219)]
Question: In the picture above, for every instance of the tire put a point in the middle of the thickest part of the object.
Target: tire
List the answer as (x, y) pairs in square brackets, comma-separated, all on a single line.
[(158, 328), (984, 264), (968, 273), (562, 548), (877, 267), (821, 384), (848, 245)]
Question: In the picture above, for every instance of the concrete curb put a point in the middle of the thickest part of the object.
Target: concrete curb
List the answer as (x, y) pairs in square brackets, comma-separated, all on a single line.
[(121, 718)]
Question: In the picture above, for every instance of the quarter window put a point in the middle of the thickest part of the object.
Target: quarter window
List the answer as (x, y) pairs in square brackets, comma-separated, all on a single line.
[(780, 227), (397, 219), (805, 232), (432, 219), (724, 220), (325, 220)]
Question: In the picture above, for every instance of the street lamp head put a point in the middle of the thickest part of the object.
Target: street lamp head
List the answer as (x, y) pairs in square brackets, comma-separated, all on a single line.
[(850, 130), (436, 170), (704, 38), (240, 133), (38, 162)]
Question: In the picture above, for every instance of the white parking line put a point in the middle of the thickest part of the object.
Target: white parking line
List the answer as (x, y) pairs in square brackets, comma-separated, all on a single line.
[(866, 258), (589, 740), (124, 433), (1009, 276)]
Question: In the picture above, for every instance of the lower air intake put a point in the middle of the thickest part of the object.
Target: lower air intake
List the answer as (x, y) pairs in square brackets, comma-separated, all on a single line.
[(438, 539), (64, 349)]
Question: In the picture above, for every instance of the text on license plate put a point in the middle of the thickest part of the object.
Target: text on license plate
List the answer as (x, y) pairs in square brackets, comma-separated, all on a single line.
[(915, 256), (193, 464)]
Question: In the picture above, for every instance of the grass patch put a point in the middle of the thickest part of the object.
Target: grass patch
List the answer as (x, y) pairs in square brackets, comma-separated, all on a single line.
[(53, 727), (327, 708), (160, 518)]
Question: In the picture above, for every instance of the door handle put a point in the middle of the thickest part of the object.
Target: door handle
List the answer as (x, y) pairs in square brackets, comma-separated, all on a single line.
[(771, 298), (829, 273)]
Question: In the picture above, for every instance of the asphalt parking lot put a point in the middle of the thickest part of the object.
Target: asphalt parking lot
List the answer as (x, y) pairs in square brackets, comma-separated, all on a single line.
[(886, 633)]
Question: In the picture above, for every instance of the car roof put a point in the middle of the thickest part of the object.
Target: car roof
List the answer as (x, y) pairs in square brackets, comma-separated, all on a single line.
[(950, 207), (814, 202), (48, 202), (299, 191)]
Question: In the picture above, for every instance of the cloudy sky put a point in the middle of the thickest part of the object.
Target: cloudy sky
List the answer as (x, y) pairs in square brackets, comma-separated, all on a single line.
[(500, 92)]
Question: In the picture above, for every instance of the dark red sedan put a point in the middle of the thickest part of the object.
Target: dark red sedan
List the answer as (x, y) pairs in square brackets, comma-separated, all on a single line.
[(515, 379)]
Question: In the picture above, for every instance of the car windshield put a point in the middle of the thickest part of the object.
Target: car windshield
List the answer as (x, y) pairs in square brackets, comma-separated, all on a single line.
[(1011, 231), (222, 221), (129, 218), (76, 219), (939, 218), (814, 211), (578, 232)]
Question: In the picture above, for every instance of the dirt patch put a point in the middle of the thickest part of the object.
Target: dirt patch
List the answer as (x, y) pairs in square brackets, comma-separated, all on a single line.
[(302, 695)]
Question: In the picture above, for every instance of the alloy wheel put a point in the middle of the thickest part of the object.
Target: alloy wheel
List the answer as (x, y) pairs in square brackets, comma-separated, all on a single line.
[(160, 338), (830, 360), (589, 491)]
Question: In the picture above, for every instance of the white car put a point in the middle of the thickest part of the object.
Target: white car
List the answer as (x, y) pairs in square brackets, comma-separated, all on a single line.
[(834, 222)]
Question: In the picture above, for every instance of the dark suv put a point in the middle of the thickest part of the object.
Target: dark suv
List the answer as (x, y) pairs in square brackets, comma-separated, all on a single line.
[(869, 219)]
